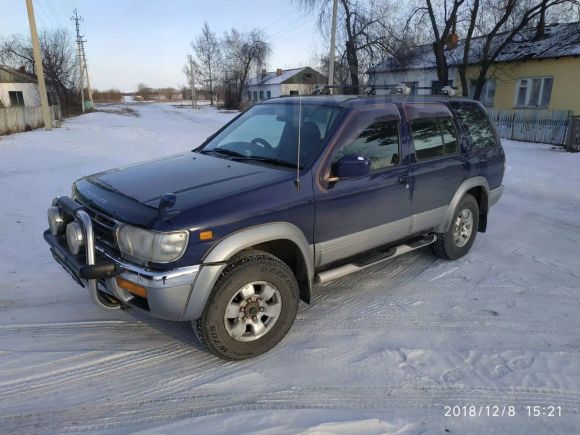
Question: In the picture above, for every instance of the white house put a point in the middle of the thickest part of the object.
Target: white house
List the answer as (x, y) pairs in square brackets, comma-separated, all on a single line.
[(282, 82), (20, 89)]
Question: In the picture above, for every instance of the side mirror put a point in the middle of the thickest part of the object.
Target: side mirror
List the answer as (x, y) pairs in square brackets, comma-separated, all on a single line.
[(351, 166)]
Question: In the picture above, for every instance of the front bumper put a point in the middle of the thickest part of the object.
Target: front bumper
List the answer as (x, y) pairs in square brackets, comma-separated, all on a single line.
[(167, 293)]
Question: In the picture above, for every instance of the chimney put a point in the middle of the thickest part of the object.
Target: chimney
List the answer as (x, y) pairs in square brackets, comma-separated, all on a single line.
[(22, 69), (263, 72), (279, 72)]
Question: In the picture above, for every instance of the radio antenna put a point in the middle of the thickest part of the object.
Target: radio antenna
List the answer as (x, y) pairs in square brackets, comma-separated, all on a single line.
[(297, 180)]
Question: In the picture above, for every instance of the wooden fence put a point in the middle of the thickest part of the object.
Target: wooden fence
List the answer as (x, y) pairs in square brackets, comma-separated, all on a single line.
[(532, 125), (15, 119)]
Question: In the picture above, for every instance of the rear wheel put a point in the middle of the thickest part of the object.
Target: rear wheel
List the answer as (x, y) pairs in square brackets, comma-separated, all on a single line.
[(458, 239), (251, 308)]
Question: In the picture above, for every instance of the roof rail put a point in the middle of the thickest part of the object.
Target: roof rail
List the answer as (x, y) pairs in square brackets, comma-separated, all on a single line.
[(400, 89)]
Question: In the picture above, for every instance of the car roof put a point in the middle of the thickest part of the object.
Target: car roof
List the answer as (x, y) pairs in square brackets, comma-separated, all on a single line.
[(351, 101)]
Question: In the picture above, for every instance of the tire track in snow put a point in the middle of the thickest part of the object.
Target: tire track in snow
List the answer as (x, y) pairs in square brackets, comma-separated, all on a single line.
[(117, 415)]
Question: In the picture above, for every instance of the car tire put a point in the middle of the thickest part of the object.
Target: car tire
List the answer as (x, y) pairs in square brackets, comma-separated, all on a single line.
[(266, 292), (458, 239)]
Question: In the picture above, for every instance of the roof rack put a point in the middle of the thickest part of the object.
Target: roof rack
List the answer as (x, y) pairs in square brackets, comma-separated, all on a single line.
[(400, 89)]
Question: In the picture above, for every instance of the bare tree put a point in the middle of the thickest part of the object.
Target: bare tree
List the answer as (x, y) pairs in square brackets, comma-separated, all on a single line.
[(144, 91), (207, 50), (243, 52), (513, 16), (58, 59), (365, 35)]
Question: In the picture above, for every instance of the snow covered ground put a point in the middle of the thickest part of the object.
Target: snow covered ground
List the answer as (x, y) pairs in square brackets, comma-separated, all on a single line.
[(383, 351)]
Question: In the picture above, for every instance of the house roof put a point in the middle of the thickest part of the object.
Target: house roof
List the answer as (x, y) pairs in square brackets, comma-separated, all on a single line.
[(24, 76), (270, 78), (561, 40)]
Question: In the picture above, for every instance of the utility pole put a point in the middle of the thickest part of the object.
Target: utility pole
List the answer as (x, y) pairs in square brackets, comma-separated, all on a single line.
[(38, 68), (76, 19), (332, 46), (89, 90), (192, 83)]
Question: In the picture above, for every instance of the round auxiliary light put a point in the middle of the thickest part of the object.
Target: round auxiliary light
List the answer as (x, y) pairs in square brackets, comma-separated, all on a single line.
[(56, 222), (75, 237)]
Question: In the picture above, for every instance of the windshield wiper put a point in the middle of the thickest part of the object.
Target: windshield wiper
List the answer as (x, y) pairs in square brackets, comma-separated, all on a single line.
[(223, 151), (271, 160)]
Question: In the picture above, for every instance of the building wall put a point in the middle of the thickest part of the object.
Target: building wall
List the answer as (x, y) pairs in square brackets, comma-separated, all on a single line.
[(29, 93), (303, 88), (565, 88)]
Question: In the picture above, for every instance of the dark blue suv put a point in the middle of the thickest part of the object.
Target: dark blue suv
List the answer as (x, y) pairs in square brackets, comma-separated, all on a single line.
[(293, 192)]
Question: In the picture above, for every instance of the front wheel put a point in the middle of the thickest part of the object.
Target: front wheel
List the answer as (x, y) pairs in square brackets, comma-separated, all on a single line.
[(251, 308), (458, 239)]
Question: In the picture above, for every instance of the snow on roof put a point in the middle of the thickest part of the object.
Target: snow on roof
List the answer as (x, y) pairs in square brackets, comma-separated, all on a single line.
[(270, 78), (561, 40)]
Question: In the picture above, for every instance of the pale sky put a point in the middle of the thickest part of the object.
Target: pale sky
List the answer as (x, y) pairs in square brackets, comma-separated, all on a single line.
[(132, 41)]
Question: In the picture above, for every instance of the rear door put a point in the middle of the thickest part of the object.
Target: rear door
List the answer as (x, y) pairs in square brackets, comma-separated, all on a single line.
[(437, 167), (357, 214), (486, 152)]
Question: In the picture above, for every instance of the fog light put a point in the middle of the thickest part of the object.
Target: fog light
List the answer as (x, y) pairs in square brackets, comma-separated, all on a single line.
[(56, 221), (131, 287), (75, 237)]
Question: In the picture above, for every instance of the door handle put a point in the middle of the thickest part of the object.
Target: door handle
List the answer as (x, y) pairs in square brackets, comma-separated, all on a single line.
[(404, 179)]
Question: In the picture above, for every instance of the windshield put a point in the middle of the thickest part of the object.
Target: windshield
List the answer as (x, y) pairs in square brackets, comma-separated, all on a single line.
[(269, 133)]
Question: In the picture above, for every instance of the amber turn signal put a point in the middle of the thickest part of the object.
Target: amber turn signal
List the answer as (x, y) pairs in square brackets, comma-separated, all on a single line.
[(131, 287), (206, 235)]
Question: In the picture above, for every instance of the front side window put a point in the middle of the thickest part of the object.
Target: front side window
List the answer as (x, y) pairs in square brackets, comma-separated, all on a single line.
[(270, 131), (433, 137), (379, 142), (261, 95), (16, 98), (268, 95), (533, 92), (476, 122), (255, 95)]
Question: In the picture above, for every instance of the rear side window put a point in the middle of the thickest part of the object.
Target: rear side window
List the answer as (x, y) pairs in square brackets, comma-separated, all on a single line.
[(433, 137), (378, 142), (476, 122)]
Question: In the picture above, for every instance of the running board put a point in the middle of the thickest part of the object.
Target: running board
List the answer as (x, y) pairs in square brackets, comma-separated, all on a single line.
[(375, 258)]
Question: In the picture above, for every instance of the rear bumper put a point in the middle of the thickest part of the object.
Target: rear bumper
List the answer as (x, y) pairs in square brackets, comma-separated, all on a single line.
[(167, 292)]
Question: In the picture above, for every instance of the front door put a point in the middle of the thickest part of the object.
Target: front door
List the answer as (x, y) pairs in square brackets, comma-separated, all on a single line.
[(354, 215)]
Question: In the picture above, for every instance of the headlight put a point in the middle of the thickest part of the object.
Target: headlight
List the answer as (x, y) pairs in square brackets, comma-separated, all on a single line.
[(75, 237), (151, 246), (56, 221)]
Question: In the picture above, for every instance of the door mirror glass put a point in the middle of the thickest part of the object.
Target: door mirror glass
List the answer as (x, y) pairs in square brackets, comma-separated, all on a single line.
[(351, 166)]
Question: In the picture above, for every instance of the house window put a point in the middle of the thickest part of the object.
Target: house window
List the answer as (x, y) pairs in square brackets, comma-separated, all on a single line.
[(255, 95), (487, 93), (293, 92), (268, 95), (433, 137), (261, 95), (249, 95), (16, 98), (533, 92)]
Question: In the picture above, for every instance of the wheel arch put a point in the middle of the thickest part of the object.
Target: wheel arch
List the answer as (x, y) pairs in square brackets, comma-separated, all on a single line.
[(476, 186), (282, 239)]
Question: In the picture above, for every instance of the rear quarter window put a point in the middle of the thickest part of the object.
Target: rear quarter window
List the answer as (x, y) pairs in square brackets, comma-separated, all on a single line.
[(476, 122)]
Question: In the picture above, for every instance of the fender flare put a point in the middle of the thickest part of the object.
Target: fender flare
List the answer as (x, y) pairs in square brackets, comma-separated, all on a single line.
[(216, 259), (466, 185)]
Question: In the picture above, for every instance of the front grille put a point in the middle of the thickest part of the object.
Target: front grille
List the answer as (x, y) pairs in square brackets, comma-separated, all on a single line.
[(104, 228)]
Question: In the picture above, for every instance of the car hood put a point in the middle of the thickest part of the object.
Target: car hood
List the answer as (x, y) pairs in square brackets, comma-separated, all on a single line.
[(195, 179)]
